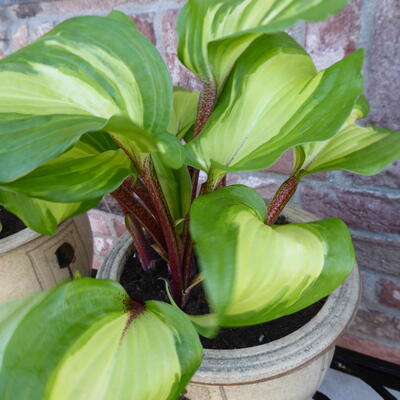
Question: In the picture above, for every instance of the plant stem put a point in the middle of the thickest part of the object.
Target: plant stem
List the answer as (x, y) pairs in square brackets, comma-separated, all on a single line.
[(206, 106), (167, 225), (207, 102), (143, 194), (281, 198), (132, 206), (144, 251)]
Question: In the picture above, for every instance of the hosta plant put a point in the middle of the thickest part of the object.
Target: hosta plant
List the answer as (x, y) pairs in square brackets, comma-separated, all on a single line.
[(89, 109)]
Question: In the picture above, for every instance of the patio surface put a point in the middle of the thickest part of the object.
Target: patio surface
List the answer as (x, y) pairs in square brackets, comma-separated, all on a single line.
[(340, 386)]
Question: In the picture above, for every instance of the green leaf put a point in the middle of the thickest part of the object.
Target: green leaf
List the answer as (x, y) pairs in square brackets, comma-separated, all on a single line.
[(214, 33), (98, 344), (273, 101), (176, 186), (253, 272), (170, 150), (40, 215), (86, 73), (28, 141), (81, 173), (364, 150), (184, 112)]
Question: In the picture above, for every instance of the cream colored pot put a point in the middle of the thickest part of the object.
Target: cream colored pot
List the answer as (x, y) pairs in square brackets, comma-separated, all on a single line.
[(30, 262), (291, 368)]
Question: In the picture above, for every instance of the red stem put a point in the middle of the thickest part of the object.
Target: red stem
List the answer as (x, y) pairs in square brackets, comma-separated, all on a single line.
[(143, 250), (206, 106), (281, 198), (167, 225), (143, 194), (132, 206)]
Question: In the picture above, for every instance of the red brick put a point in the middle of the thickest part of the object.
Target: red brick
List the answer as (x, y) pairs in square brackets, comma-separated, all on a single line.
[(99, 222), (103, 205), (28, 10), (377, 324), (102, 246), (389, 177), (379, 255), (39, 30), (370, 348), (19, 38), (180, 75), (284, 165), (145, 25), (265, 185), (113, 205), (119, 226), (372, 211), (331, 40), (97, 261), (389, 293), (64, 8), (384, 65)]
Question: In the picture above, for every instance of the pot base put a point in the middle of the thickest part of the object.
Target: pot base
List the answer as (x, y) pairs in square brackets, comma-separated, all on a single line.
[(298, 385)]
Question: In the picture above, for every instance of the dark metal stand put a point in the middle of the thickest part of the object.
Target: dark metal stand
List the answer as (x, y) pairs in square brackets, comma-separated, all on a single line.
[(378, 374)]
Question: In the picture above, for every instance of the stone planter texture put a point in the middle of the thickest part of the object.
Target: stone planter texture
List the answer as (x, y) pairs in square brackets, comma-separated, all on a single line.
[(29, 263), (291, 368)]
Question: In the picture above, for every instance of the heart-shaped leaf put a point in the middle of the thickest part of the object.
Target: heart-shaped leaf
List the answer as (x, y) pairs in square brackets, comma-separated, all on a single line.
[(87, 74), (253, 272), (97, 344)]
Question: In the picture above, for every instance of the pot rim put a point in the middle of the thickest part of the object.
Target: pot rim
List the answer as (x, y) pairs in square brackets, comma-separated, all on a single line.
[(27, 235), (271, 360)]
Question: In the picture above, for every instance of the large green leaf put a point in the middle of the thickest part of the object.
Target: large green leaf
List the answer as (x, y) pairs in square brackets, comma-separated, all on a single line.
[(253, 272), (214, 33), (86, 74), (40, 215), (273, 101), (28, 141), (82, 173), (364, 150), (97, 344)]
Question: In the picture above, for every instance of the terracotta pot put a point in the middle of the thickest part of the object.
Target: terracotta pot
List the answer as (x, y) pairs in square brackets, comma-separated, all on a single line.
[(291, 368), (30, 262)]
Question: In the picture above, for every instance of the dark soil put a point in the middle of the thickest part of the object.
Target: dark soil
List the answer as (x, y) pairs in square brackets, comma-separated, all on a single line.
[(143, 286), (11, 224)]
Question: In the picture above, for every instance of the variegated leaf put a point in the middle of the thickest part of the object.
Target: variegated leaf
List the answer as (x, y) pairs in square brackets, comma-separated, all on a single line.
[(253, 272), (363, 150), (214, 33), (87, 74), (275, 100), (98, 344)]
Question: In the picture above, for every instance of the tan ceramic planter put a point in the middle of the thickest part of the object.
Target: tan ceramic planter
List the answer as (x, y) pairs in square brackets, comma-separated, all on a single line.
[(291, 368), (28, 261)]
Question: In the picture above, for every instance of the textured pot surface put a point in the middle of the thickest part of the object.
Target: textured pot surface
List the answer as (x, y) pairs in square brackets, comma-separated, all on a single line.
[(29, 262), (291, 368)]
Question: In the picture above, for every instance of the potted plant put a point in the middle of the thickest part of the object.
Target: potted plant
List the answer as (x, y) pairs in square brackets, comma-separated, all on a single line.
[(102, 116)]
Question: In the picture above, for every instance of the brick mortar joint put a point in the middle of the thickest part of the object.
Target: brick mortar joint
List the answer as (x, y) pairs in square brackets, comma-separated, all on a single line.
[(131, 9)]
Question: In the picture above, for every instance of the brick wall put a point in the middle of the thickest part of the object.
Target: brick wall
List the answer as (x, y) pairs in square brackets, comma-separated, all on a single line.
[(370, 205)]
